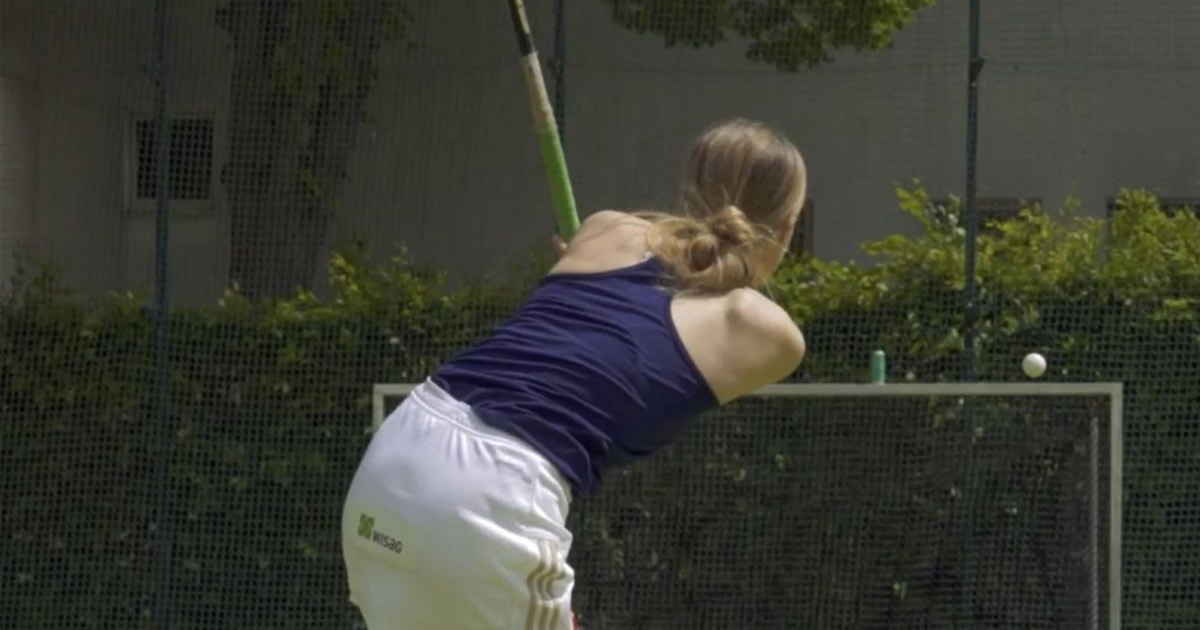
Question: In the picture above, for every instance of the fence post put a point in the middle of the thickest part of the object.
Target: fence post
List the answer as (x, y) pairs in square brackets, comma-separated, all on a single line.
[(162, 383), (970, 220), (560, 69)]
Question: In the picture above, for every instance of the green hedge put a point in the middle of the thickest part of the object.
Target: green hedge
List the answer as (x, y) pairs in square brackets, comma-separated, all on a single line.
[(270, 404)]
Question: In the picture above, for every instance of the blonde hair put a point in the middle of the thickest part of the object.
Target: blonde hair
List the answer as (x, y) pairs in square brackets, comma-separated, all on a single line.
[(743, 183)]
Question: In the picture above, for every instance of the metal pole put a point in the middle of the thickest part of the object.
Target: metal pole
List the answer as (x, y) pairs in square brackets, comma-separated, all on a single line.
[(970, 214), (970, 221), (560, 69), (1094, 477), (162, 398)]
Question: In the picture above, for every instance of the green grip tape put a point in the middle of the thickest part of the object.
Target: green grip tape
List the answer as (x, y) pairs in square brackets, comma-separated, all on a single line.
[(563, 196)]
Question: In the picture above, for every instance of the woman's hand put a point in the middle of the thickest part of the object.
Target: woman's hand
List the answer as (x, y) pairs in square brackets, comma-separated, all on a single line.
[(559, 244)]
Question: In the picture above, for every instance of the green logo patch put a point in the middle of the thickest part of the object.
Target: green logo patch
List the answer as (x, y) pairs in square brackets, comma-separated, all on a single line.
[(366, 524)]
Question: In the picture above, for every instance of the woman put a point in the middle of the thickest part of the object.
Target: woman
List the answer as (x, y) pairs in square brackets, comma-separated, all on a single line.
[(456, 516)]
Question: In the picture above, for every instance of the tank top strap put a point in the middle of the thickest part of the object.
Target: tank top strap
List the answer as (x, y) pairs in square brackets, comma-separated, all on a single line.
[(650, 270)]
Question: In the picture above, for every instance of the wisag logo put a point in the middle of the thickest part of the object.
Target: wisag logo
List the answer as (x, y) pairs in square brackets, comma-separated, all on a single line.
[(366, 529)]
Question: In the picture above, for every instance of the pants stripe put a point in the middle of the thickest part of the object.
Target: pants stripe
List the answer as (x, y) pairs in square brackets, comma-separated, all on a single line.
[(547, 593), (544, 613), (534, 582)]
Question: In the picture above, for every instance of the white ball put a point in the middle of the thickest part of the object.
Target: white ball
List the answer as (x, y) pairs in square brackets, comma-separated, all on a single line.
[(1034, 365)]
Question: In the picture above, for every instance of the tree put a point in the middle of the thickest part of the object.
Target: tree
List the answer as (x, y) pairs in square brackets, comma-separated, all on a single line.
[(302, 72), (788, 34)]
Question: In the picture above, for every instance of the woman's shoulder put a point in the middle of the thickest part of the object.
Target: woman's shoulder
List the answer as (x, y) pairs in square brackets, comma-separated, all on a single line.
[(749, 323), (606, 240), (761, 322), (750, 307), (603, 219), (604, 216), (739, 340)]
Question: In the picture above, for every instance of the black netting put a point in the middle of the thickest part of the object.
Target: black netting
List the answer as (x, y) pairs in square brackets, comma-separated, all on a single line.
[(859, 513), (353, 193)]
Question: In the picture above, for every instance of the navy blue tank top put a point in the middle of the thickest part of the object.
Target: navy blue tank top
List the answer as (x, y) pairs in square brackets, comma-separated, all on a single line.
[(590, 372)]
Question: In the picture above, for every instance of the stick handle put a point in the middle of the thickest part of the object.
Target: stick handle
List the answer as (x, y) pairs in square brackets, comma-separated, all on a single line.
[(545, 128)]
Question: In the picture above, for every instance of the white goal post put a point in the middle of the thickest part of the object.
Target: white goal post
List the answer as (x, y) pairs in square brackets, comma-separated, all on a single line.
[(1113, 391)]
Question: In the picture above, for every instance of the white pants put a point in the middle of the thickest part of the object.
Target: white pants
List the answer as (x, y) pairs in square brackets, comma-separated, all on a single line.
[(451, 524)]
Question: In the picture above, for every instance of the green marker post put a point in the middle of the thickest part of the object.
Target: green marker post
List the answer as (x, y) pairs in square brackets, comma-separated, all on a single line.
[(878, 367)]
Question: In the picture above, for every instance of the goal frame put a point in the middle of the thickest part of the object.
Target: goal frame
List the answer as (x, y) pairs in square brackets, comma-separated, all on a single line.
[(1115, 392)]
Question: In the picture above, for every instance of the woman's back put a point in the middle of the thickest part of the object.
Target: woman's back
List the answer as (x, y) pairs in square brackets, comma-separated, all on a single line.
[(739, 340), (604, 364)]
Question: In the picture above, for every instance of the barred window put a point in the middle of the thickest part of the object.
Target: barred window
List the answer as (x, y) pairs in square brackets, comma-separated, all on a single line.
[(189, 164)]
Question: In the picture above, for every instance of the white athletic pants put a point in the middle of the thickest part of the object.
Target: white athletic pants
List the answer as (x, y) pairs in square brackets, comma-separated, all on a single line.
[(454, 525)]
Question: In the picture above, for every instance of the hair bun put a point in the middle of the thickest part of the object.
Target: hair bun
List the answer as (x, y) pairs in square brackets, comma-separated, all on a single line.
[(731, 227), (703, 252)]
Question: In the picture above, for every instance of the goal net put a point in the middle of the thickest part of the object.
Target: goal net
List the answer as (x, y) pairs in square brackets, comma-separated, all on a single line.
[(864, 506)]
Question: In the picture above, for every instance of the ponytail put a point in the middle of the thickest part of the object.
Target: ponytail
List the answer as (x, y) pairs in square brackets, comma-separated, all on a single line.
[(709, 255)]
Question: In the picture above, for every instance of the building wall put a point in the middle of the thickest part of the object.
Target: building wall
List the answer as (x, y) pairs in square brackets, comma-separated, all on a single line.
[(18, 138), (18, 153), (1078, 98), (78, 82)]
